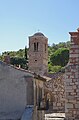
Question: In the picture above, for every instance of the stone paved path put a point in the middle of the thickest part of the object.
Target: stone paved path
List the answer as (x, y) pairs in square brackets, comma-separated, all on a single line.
[(55, 116)]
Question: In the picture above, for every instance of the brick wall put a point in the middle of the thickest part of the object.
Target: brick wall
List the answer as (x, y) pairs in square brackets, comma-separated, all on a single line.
[(72, 80)]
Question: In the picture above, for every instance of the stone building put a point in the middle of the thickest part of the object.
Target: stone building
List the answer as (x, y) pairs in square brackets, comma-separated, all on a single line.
[(16, 91), (38, 53), (21, 93)]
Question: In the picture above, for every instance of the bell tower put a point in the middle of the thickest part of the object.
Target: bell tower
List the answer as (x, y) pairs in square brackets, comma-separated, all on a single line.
[(38, 53)]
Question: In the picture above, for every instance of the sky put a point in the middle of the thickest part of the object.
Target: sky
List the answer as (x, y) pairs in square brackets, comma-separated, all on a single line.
[(20, 19)]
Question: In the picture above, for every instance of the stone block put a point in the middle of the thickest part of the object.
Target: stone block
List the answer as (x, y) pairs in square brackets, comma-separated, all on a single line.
[(69, 90), (69, 80), (74, 46), (69, 87), (73, 101), (74, 87), (73, 93), (58, 104), (73, 55), (76, 83), (54, 104), (77, 105), (72, 84), (70, 97), (69, 105)]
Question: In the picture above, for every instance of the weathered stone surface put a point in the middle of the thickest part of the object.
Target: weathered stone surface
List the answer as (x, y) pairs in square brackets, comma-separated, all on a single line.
[(38, 54), (14, 84), (72, 80), (69, 105), (56, 87)]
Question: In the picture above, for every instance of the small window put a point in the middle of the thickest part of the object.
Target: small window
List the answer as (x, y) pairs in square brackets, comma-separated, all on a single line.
[(34, 46), (35, 60)]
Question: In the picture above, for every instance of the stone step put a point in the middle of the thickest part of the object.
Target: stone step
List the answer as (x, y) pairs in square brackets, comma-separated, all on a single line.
[(54, 118)]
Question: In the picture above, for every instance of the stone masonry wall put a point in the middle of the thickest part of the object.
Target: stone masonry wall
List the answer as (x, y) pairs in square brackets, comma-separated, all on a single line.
[(72, 80), (38, 54), (55, 86)]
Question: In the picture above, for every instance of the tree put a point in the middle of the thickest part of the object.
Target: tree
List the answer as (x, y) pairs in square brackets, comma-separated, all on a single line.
[(53, 69), (19, 61), (25, 52), (60, 57)]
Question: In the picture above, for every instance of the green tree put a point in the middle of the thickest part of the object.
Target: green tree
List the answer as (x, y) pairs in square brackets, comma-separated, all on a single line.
[(25, 52), (19, 61), (53, 69), (60, 57)]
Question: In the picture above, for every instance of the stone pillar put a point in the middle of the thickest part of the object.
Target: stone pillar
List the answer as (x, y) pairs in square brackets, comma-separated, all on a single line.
[(72, 79)]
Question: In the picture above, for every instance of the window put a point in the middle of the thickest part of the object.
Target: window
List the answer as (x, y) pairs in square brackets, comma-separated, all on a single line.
[(36, 46), (35, 60)]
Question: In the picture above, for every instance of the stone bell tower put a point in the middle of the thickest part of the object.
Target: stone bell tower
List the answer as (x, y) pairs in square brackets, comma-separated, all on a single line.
[(38, 53)]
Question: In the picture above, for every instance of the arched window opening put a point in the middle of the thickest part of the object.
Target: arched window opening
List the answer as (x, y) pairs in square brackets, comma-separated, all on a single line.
[(36, 46)]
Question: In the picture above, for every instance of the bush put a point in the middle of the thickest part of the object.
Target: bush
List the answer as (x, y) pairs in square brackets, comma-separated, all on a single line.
[(60, 57), (53, 69)]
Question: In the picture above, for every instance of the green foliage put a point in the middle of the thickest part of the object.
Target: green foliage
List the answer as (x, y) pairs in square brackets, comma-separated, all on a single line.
[(19, 61), (20, 53), (25, 52), (17, 58), (1, 57), (60, 57), (53, 69)]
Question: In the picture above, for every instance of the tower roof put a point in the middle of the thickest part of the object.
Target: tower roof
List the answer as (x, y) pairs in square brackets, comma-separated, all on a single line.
[(38, 34)]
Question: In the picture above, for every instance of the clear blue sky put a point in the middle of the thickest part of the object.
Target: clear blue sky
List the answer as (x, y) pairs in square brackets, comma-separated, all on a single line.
[(22, 18)]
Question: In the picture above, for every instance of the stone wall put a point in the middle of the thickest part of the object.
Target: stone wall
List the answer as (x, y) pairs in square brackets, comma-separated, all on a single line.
[(72, 80), (14, 92), (55, 88)]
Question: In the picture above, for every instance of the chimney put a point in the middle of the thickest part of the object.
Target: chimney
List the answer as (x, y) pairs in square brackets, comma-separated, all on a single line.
[(74, 50)]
